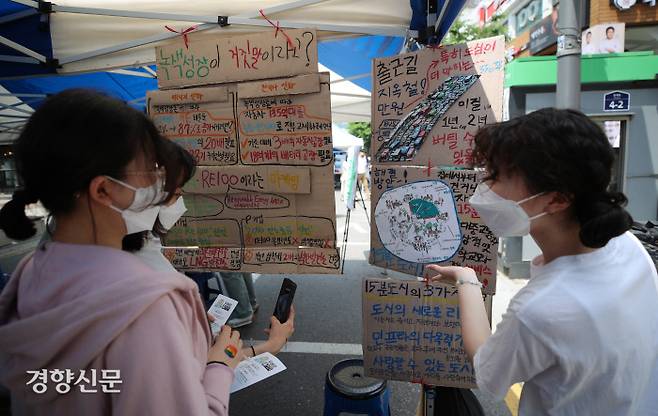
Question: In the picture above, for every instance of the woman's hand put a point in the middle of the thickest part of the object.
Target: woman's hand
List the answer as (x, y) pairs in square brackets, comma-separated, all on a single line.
[(449, 274), (279, 333), (227, 337)]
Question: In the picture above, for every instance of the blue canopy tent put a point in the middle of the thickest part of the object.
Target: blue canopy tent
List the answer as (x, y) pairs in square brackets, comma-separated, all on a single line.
[(44, 50)]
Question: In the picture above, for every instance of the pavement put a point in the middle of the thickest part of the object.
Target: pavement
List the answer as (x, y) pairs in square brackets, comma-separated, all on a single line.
[(327, 329)]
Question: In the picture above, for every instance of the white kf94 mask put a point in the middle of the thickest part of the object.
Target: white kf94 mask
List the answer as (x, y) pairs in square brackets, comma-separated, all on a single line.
[(504, 217), (141, 214), (172, 213)]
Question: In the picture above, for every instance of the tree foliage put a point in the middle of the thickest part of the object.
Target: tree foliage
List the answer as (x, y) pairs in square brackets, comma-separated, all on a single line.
[(361, 129), (463, 32)]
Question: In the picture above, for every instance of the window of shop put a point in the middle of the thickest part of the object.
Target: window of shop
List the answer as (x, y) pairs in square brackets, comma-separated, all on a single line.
[(616, 131)]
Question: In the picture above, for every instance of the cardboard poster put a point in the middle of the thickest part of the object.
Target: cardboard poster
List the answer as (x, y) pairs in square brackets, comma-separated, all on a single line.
[(202, 61), (412, 332), (422, 215), (428, 105), (261, 199)]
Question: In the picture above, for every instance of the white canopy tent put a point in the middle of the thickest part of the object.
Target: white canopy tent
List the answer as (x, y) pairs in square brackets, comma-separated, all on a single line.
[(93, 35), (349, 102), (120, 36), (343, 140)]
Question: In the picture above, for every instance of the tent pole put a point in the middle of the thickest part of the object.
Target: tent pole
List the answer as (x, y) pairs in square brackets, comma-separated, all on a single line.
[(29, 3), (137, 15), (352, 78), (137, 100), (22, 49), (349, 104), (173, 16), (15, 107), (8, 94), (344, 113), (6, 123), (331, 28), (17, 16), (19, 59), (150, 71), (131, 73), (344, 94), (22, 117)]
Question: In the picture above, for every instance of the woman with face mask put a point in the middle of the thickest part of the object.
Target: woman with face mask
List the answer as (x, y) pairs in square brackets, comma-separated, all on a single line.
[(583, 333), (125, 338), (147, 246)]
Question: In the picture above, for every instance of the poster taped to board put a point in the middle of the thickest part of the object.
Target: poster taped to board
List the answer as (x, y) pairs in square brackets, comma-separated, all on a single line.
[(422, 216), (262, 198), (428, 105)]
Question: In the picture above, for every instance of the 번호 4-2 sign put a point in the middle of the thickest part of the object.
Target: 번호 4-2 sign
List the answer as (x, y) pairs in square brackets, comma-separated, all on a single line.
[(617, 101)]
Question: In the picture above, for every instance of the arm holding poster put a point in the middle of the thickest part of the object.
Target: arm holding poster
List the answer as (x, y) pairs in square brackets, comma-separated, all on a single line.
[(475, 325)]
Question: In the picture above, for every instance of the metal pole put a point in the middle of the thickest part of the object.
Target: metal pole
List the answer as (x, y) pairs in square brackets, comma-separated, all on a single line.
[(568, 57)]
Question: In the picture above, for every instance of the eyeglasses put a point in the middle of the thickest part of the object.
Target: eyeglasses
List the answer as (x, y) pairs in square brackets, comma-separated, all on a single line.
[(159, 173)]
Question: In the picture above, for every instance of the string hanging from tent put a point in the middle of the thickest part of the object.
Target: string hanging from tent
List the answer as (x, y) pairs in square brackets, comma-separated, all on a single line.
[(183, 33), (277, 27)]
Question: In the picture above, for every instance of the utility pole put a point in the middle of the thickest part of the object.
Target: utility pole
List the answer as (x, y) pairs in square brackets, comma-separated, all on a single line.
[(568, 56)]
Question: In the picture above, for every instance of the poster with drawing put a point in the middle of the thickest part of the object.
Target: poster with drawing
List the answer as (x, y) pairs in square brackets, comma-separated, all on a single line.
[(418, 222), (412, 228), (427, 107), (261, 199)]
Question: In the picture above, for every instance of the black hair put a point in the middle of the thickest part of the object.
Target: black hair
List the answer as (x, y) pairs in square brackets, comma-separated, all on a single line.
[(609, 28), (562, 151), (134, 242), (184, 167), (73, 137)]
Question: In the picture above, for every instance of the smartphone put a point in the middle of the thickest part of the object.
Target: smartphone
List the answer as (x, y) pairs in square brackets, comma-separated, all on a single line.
[(284, 301)]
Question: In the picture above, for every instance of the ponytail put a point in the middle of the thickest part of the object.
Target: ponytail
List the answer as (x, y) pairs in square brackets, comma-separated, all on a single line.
[(13, 220), (602, 217)]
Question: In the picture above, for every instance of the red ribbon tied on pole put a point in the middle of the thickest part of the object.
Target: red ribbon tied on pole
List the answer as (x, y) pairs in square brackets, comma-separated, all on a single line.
[(184, 33), (277, 27)]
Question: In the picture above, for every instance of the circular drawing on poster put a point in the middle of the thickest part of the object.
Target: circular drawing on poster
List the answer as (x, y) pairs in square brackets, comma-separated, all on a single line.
[(418, 222)]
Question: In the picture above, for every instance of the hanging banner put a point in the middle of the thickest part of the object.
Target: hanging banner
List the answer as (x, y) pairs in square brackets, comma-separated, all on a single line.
[(188, 61)]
